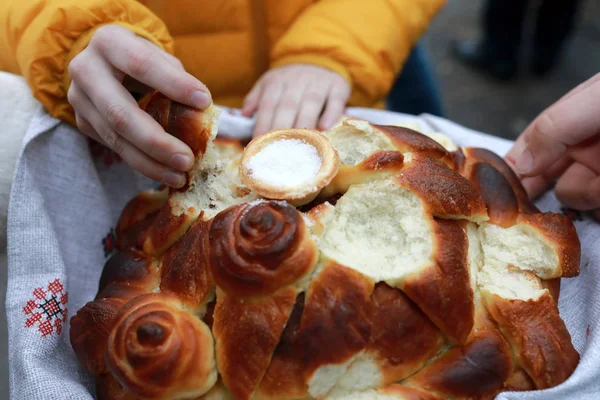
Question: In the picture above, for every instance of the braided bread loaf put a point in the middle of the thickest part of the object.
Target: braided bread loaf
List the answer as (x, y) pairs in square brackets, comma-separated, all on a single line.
[(420, 271)]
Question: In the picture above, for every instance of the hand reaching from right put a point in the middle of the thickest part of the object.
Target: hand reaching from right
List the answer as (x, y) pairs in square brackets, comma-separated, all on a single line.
[(107, 112), (561, 148)]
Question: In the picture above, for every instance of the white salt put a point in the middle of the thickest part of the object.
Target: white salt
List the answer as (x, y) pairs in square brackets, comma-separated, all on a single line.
[(286, 163)]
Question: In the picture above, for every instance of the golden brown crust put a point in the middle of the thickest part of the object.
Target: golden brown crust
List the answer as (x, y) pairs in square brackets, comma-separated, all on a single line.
[(475, 155), (444, 192), (444, 288), (190, 125), (257, 248), (553, 287), (383, 160), (379, 165), (479, 369), (537, 335), (402, 338), (246, 333), (107, 388), (137, 216), (208, 317), (408, 393), (167, 228), (89, 332), (497, 193), (284, 378), (196, 128), (518, 381), (217, 392), (185, 269), (157, 350), (459, 160), (407, 140), (560, 231), (126, 275), (335, 324)]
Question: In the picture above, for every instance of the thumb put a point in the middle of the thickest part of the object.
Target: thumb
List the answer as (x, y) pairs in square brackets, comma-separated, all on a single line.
[(566, 123)]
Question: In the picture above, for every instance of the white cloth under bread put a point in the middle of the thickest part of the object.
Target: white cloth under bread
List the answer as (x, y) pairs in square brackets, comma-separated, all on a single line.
[(64, 203)]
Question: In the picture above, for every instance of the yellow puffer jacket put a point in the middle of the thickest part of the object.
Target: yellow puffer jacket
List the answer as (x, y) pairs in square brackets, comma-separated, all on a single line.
[(227, 44)]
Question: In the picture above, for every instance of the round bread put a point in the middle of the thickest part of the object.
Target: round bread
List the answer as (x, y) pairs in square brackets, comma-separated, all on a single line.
[(408, 269)]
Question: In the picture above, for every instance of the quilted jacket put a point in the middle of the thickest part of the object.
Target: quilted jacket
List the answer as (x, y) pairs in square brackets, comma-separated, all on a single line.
[(227, 44)]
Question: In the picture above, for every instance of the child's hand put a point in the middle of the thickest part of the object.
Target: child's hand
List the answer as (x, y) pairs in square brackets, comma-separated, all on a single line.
[(295, 96), (562, 147), (108, 113)]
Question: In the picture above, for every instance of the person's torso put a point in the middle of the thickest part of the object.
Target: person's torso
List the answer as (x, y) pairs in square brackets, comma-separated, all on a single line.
[(226, 43)]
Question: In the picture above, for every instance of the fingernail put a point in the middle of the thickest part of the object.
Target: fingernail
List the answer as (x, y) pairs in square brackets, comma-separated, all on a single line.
[(174, 179), (523, 158), (181, 162), (200, 99)]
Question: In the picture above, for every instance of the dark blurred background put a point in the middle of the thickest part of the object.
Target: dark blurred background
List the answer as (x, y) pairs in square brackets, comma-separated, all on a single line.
[(504, 108), (470, 98)]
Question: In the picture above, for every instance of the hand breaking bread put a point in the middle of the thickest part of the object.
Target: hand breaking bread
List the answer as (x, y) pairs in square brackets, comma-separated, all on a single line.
[(378, 263)]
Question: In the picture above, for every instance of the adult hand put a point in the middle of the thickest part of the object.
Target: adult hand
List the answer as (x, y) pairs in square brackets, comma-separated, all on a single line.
[(561, 147), (299, 96), (107, 112)]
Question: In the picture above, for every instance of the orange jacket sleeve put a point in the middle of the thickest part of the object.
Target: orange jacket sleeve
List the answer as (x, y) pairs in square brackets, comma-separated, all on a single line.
[(364, 41), (39, 38)]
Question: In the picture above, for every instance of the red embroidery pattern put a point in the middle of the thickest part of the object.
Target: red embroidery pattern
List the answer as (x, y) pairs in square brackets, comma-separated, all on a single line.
[(103, 153), (47, 309), (109, 243)]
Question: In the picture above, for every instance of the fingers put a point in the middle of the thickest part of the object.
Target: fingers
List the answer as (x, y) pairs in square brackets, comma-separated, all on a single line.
[(566, 123), (336, 103), (312, 106), (538, 184), (289, 104), (271, 95), (123, 115), (252, 99), (134, 86), (587, 153), (580, 87), (129, 54), (173, 60), (579, 188), (295, 96), (169, 57), (94, 126), (87, 129)]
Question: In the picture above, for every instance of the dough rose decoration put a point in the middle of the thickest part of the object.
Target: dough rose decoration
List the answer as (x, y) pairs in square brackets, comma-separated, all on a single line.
[(365, 262), (159, 351), (259, 247)]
